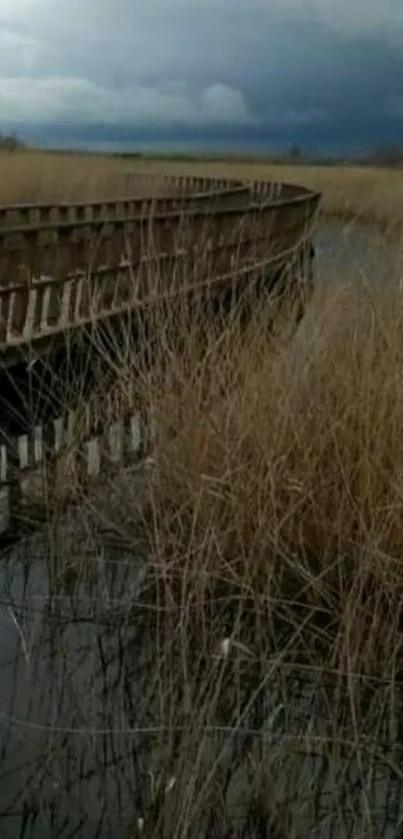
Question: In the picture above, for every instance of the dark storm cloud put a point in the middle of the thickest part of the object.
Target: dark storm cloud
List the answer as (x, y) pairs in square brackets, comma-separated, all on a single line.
[(324, 69)]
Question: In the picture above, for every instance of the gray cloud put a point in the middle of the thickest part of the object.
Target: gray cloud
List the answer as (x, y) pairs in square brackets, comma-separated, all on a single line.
[(334, 65), (69, 98)]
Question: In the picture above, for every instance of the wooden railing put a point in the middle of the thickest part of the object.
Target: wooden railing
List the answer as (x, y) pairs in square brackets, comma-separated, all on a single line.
[(43, 213), (65, 266), (92, 441), (58, 274)]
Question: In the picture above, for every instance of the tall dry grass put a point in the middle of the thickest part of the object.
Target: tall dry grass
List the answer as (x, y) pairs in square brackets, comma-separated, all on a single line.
[(41, 177), (271, 520), (251, 686), (279, 459)]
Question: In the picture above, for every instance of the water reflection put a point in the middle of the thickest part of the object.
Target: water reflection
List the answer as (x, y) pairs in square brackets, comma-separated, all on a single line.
[(66, 662), (81, 725)]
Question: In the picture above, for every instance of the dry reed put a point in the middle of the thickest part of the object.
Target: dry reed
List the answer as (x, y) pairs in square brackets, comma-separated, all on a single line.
[(273, 529)]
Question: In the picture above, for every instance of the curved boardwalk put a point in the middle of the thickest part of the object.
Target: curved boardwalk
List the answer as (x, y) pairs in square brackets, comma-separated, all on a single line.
[(65, 266), (69, 269)]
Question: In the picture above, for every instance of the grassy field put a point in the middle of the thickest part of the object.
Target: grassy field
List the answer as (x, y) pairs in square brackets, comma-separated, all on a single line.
[(371, 194), (271, 519)]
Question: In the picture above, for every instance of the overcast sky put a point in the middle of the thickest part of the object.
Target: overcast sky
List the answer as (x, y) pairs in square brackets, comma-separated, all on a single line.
[(295, 68)]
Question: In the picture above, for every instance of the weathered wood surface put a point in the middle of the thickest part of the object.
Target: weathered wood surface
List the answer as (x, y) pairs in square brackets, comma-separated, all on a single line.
[(66, 265)]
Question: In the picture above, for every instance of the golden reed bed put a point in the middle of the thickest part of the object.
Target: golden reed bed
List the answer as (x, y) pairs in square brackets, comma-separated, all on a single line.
[(369, 193)]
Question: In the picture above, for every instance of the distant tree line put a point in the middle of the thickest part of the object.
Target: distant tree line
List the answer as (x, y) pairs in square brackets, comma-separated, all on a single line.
[(387, 156), (10, 142)]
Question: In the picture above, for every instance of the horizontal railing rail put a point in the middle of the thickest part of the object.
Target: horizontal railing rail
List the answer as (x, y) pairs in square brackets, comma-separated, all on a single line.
[(93, 210), (77, 308), (109, 225)]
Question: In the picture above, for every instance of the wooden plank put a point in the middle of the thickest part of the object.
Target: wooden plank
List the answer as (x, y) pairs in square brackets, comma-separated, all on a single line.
[(5, 301), (19, 309), (75, 312), (39, 310), (66, 290), (105, 288), (86, 302), (73, 300), (54, 307)]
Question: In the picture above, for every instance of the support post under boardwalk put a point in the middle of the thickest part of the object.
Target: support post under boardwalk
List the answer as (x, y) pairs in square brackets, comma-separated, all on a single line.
[(14, 484)]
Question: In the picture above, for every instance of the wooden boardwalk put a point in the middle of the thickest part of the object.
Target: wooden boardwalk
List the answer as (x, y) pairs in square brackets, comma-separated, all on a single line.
[(68, 266)]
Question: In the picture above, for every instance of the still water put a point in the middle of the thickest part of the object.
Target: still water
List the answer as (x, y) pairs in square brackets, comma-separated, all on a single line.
[(348, 250), (77, 736), (67, 690)]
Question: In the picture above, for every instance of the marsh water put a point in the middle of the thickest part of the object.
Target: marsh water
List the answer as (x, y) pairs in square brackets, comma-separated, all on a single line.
[(349, 249), (73, 694)]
